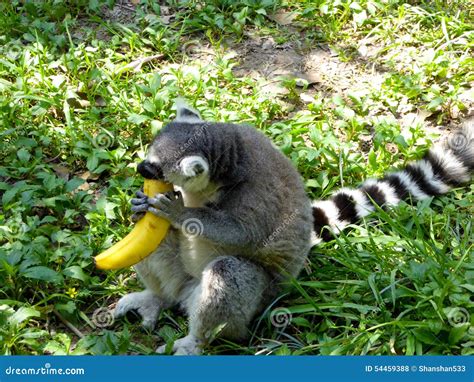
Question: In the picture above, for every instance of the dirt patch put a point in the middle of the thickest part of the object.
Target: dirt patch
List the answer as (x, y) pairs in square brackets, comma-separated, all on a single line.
[(262, 59), (322, 69), (320, 66), (316, 69), (123, 12)]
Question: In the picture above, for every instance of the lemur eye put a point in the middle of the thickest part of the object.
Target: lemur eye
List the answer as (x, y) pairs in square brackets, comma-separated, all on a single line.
[(193, 165), (198, 168)]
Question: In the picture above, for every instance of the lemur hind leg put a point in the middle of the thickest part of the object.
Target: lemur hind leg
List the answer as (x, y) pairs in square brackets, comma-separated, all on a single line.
[(230, 293), (164, 279), (147, 304)]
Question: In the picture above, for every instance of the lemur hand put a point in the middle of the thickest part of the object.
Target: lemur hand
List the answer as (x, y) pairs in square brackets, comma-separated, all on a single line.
[(140, 206), (169, 206)]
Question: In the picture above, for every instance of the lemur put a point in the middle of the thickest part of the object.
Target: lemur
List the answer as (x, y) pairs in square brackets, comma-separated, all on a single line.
[(242, 223)]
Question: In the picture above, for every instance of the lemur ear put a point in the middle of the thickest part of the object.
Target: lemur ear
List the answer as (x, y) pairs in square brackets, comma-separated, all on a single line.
[(185, 113)]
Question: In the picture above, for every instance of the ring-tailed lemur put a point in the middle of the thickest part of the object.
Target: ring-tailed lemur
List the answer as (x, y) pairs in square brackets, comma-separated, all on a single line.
[(242, 221)]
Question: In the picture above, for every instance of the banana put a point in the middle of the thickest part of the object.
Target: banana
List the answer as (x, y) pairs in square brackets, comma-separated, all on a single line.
[(145, 237)]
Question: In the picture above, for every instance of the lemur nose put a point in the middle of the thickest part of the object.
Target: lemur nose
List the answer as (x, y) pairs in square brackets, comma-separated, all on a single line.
[(148, 171)]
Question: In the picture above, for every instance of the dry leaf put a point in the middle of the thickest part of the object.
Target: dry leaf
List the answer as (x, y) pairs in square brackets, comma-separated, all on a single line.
[(311, 77), (166, 19), (61, 171), (282, 17), (136, 65), (100, 101), (78, 103), (307, 98), (84, 187), (86, 175)]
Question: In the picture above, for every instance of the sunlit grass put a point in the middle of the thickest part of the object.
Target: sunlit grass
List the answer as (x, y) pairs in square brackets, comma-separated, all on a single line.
[(76, 114)]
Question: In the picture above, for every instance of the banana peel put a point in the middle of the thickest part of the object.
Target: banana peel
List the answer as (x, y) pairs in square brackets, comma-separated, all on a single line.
[(145, 237)]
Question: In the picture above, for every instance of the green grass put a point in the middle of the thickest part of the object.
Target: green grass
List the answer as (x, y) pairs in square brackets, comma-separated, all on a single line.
[(75, 118)]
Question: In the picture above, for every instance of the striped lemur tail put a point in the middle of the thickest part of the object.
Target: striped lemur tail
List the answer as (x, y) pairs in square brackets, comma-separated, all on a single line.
[(447, 164)]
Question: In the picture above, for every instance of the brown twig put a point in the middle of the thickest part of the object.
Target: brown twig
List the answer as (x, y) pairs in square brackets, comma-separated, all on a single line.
[(71, 327)]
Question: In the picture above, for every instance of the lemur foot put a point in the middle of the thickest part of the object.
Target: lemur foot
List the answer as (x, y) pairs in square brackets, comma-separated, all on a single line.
[(145, 303), (188, 345)]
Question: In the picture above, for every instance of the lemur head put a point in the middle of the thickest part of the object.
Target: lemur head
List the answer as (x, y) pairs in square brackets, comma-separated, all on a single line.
[(178, 153)]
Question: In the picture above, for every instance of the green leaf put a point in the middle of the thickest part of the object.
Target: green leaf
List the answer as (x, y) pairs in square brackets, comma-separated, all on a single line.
[(312, 183), (23, 155), (418, 271), (75, 272), (55, 348), (48, 219), (155, 82), (457, 333), (155, 126), (360, 17), (43, 273), (426, 336), (400, 141), (355, 6), (373, 160), (4, 84), (137, 118), (167, 333), (60, 236), (73, 184), (9, 195), (92, 162), (69, 307), (23, 314), (410, 346), (435, 103), (106, 207), (94, 4), (338, 100)]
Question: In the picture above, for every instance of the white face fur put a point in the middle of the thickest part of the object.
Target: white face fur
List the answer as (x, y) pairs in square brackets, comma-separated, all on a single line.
[(193, 175)]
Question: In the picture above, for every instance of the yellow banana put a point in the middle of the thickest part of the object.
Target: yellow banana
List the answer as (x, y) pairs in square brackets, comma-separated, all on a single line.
[(145, 237)]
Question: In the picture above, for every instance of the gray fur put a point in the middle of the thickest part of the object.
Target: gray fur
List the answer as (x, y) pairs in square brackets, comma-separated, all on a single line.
[(242, 222), (184, 113), (252, 226), (145, 303)]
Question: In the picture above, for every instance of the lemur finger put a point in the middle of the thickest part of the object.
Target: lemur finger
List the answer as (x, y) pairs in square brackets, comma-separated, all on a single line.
[(159, 213), (172, 195), (140, 208), (138, 201), (159, 200), (137, 216)]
